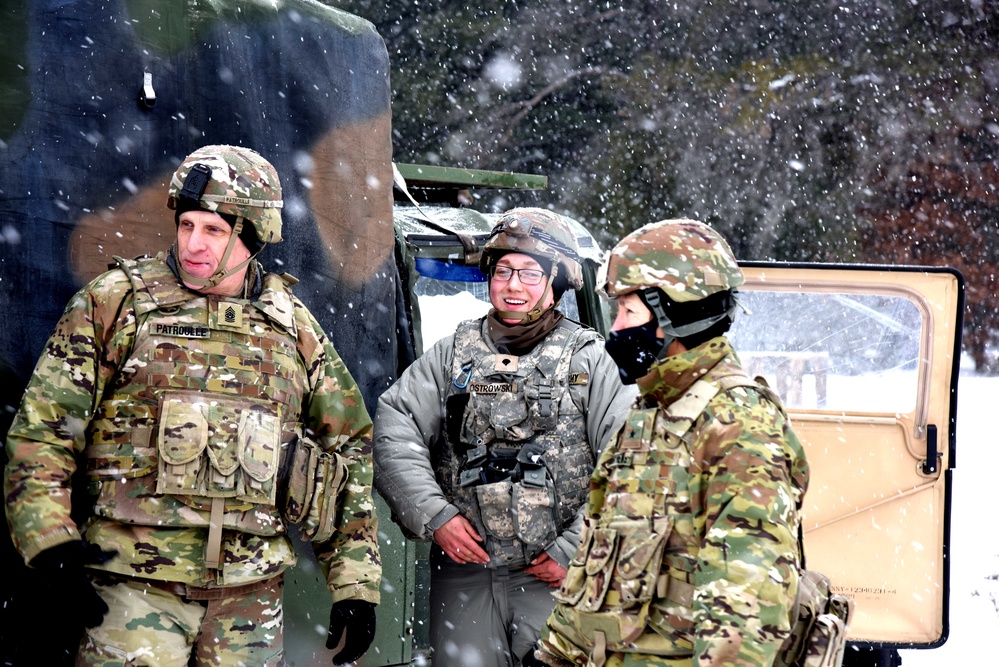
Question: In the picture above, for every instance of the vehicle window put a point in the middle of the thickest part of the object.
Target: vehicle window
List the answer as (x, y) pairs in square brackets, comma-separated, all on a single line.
[(833, 351), (449, 293)]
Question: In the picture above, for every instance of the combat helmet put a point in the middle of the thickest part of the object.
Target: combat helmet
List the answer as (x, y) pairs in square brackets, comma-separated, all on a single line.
[(231, 180), (544, 235), (238, 184), (686, 259), (685, 273)]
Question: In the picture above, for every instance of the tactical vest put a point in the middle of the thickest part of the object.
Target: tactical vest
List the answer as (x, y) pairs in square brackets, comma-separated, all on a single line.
[(190, 431), (518, 459), (622, 579)]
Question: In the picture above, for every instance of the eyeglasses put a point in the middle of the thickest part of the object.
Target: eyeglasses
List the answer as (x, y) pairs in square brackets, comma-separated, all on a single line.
[(527, 276)]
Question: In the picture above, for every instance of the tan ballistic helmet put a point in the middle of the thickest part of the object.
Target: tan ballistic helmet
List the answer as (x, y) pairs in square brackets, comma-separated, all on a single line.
[(686, 259), (231, 180), (539, 233)]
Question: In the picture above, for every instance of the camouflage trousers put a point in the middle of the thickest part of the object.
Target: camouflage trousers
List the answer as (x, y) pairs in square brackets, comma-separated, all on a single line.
[(623, 660), (641, 660), (556, 652), (158, 624)]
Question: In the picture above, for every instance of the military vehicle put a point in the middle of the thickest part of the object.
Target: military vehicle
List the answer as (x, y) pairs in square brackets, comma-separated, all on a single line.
[(99, 101), (866, 361)]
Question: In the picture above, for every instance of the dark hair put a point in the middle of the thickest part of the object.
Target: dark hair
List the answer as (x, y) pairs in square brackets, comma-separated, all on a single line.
[(561, 283), (717, 329), (695, 311)]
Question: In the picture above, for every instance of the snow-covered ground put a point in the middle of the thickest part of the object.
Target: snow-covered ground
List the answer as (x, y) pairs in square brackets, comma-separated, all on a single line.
[(974, 598)]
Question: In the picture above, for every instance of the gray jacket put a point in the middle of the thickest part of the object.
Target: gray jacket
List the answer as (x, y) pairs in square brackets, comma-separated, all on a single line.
[(409, 429)]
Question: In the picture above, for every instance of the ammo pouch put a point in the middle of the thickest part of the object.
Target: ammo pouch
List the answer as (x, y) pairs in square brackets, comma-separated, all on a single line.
[(611, 583), (312, 481), (516, 501), (820, 620), (218, 446), (513, 512)]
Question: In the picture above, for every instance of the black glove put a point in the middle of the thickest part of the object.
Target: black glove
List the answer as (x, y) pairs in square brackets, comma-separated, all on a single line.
[(357, 618), (530, 661), (64, 566), (550, 659)]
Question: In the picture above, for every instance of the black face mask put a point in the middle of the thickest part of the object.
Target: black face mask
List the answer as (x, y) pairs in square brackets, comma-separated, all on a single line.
[(634, 350)]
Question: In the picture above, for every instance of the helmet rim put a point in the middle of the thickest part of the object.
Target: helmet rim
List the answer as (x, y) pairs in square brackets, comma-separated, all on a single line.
[(242, 184), (539, 233), (687, 259)]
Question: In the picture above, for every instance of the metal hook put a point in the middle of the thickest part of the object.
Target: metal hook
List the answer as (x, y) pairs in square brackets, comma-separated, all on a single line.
[(467, 370), (147, 96)]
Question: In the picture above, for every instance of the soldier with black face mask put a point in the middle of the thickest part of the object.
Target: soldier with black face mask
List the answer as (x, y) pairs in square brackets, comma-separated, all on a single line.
[(689, 553)]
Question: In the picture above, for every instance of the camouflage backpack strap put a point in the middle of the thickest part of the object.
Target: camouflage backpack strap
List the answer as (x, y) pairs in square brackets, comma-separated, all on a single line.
[(682, 413), (555, 368), (465, 338), (758, 383), (820, 617), (732, 381), (154, 284)]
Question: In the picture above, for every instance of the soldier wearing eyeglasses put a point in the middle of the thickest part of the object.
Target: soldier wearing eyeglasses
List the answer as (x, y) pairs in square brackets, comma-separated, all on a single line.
[(486, 445)]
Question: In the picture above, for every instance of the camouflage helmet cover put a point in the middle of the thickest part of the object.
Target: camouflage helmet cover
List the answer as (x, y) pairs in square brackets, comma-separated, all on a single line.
[(539, 233), (242, 183), (686, 259)]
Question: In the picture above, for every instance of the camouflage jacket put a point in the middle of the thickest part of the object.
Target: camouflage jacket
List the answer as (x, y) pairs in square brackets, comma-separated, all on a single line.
[(700, 550), (83, 407), (411, 443)]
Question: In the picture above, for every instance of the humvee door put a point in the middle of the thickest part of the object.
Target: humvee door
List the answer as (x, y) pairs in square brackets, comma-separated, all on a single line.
[(866, 361)]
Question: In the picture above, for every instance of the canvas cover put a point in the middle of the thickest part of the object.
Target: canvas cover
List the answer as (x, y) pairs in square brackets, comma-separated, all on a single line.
[(100, 100)]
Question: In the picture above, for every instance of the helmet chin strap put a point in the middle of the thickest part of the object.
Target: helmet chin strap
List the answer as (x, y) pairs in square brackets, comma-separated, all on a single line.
[(652, 300), (221, 273), (535, 312), (671, 331)]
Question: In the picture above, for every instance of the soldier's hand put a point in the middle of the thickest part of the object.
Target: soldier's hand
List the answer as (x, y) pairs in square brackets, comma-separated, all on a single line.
[(530, 661), (538, 656), (459, 540), (547, 569), (355, 620), (65, 566)]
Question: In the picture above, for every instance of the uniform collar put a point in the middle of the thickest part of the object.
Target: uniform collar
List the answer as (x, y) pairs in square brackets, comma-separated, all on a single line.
[(162, 288), (670, 378)]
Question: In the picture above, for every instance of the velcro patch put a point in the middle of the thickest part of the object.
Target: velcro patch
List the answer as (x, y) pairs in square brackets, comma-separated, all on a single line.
[(228, 315), (182, 330), (491, 387), (507, 363)]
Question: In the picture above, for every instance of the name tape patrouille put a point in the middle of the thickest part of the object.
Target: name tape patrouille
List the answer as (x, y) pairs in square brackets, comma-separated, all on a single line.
[(182, 330)]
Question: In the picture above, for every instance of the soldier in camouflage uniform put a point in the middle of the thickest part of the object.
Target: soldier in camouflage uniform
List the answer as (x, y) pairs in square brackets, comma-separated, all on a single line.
[(208, 412), (486, 443), (689, 552)]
